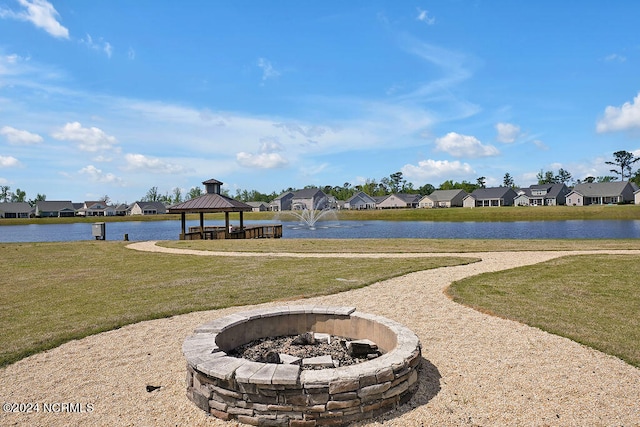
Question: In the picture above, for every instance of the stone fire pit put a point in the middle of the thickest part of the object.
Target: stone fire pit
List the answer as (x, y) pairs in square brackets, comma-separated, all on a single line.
[(268, 394)]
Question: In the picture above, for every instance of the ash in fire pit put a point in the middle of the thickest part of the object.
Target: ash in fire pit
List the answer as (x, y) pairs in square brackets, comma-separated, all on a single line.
[(309, 350)]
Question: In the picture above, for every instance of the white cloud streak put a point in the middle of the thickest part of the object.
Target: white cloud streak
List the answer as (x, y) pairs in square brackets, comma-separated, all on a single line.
[(20, 137), (142, 163), (268, 72), (40, 13), (423, 16), (99, 45)]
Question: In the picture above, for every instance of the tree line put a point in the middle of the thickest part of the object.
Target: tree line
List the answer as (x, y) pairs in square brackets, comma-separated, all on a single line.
[(623, 162)]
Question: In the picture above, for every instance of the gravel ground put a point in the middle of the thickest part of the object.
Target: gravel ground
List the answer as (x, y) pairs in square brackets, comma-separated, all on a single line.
[(478, 370)]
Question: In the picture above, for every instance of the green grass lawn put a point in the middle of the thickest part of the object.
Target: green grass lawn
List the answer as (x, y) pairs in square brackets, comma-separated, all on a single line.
[(591, 299), (55, 292)]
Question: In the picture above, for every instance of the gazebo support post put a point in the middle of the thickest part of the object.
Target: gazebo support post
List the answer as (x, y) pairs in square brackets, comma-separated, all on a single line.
[(202, 225), (183, 223), (226, 224)]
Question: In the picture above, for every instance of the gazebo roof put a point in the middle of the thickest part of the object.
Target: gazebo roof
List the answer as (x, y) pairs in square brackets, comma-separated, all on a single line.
[(211, 202)]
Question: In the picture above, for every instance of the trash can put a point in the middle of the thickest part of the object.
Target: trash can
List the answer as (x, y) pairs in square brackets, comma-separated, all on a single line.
[(98, 230)]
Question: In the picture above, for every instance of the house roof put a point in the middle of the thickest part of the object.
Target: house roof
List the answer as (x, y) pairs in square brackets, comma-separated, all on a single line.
[(15, 207), (492, 193), (154, 205), (54, 205), (602, 189), (211, 202), (361, 195), (307, 193), (553, 190), (444, 195)]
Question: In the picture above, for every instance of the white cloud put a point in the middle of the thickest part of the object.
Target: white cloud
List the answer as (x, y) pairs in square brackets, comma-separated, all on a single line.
[(131, 54), (268, 156), (40, 13), (268, 72), (142, 163), (97, 175), (99, 45), (615, 57), (423, 16), (620, 118), (8, 162), (261, 160), (428, 169), (464, 146), (541, 145), (507, 132), (21, 137), (89, 139)]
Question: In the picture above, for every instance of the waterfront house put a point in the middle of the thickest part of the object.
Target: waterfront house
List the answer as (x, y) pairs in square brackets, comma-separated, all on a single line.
[(148, 208), (282, 202), (542, 195), (490, 197), (443, 199), (310, 199), (54, 209), (398, 200), (602, 193), (92, 209), (360, 200), (15, 210), (258, 206)]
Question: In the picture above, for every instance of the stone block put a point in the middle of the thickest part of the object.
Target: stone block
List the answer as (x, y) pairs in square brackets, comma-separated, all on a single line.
[(332, 405), (224, 416), (285, 375), (252, 421), (344, 385), (263, 375), (373, 390)]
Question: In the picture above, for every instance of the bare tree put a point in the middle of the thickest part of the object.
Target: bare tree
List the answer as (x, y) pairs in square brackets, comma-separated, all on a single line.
[(623, 160)]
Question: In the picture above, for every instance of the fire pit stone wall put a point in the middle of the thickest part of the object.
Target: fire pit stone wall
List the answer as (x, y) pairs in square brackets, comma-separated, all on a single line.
[(264, 394)]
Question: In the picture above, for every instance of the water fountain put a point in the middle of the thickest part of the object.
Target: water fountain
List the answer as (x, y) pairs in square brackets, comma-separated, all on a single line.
[(309, 217)]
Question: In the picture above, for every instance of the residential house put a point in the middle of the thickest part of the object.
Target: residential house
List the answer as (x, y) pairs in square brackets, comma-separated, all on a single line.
[(309, 199), (258, 206), (360, 200), (54, 209), (15, 210), (443, 199), (490, 197), (148, 208), (602, 193), (636, 197), (542, 195), (282, 202), (398, 200), (92, 209), (121, 209)]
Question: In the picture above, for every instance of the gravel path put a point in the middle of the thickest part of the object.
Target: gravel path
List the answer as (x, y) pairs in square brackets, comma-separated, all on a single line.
[(478, 370)]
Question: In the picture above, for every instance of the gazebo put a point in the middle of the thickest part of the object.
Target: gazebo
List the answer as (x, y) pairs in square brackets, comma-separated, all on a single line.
[(213, 202)]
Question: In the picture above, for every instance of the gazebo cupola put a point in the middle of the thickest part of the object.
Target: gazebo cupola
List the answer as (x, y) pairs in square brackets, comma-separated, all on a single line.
[(212, 186)]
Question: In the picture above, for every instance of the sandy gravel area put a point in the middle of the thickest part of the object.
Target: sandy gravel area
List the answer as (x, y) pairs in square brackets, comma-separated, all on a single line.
[(478, 370)]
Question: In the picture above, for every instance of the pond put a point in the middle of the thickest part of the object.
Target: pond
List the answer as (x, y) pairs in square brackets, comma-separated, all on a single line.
[(170, 230)]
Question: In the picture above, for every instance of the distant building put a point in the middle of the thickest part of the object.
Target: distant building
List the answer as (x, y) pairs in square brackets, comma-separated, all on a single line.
[(15, 210), (542, 195), (54, 209), (443, 199), (490, 197), (148, 208)]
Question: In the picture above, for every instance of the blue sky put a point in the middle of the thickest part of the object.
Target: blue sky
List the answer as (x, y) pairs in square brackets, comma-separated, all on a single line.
[(115, 97)]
